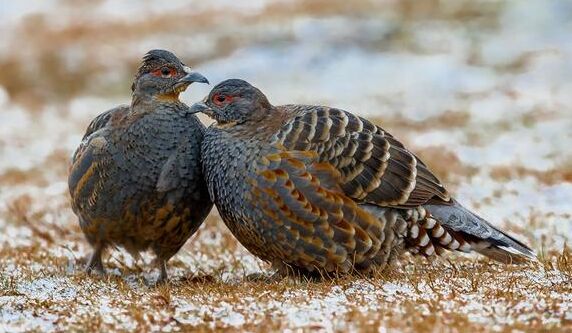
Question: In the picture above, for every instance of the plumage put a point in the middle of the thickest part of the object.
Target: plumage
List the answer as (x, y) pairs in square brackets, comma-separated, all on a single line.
[(135, 180), (319, 189)]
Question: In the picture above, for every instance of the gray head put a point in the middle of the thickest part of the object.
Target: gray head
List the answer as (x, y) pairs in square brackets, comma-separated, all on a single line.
[(234, 101), (162, 74)]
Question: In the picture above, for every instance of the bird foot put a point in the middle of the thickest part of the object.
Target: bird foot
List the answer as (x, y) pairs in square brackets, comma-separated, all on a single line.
[(94, 270), (159, 282), (162, 280), (264, 278), (163, 275), (95, 265)]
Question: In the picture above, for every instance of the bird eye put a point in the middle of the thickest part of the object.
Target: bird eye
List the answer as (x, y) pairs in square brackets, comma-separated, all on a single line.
[(219, 99), (165, 71)]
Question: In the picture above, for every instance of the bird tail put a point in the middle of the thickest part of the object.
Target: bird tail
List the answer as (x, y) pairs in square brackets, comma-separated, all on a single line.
[(482, 237)]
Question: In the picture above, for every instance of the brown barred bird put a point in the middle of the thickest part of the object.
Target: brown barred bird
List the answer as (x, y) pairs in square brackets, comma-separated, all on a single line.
[(318, 190), (136, 179)]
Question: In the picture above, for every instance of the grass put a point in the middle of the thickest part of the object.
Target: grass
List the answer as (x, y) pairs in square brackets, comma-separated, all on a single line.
[(49, 63), (43, 287)]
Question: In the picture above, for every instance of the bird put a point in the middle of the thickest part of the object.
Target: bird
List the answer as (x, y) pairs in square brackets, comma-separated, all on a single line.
[(319, 191), (136, 180)]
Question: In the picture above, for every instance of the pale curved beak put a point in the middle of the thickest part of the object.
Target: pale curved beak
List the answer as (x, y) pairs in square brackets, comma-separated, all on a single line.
[(193, 77), (199, 107)]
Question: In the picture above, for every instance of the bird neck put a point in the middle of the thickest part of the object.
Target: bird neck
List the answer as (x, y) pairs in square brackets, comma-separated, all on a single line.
[(262, 127), (141, 101)]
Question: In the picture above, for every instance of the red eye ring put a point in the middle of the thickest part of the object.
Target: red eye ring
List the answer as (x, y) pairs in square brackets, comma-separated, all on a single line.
[(220, 99), (165, 72)]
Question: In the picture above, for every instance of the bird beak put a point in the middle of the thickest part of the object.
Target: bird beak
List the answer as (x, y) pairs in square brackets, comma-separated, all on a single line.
[(200, 107), (192, 77)]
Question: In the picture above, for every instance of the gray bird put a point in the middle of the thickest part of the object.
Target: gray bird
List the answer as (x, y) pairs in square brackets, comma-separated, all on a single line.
[(136, 179), (315, 189)]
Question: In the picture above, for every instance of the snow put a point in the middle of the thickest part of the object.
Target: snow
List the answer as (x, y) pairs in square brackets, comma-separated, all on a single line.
[(52, 289), (14, 320), (521, 115)]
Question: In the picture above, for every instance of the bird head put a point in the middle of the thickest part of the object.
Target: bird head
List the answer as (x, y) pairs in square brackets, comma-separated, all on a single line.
[(162, 74), (234, 102)]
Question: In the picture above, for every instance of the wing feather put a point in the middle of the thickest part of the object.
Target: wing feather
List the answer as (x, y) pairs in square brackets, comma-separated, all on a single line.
[(374, 167), (323, 227), (87, 172)]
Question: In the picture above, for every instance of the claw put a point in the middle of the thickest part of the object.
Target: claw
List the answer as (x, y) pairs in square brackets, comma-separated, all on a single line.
[(95, 265)]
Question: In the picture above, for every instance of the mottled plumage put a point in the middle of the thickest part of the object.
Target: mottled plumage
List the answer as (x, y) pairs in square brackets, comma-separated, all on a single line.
[(136, 179), (319, 189)]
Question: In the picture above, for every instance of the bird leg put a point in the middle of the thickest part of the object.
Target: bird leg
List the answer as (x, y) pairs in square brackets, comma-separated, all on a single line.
[(95, 264), (163, 276)]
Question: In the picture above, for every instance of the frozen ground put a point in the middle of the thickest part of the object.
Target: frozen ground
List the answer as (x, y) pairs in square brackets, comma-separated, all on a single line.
[(481, 90)]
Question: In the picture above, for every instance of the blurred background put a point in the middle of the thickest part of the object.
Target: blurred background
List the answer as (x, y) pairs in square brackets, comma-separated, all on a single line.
[(481, 90)]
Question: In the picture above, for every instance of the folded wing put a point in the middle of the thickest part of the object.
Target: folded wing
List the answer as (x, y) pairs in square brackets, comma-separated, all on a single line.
[(307, 215), (374, 167)]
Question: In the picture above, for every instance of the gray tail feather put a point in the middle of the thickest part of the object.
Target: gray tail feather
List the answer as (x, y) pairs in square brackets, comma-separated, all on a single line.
[(483, 237)]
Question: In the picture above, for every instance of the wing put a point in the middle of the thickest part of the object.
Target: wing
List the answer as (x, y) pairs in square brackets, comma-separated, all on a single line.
[(308, 217), (101, 120), (374, 167), (87, 173), (98, 123)]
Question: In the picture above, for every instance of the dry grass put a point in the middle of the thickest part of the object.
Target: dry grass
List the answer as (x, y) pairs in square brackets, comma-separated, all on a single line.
[(43, 287), (548, 177), (42, 250), (103, 49)]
